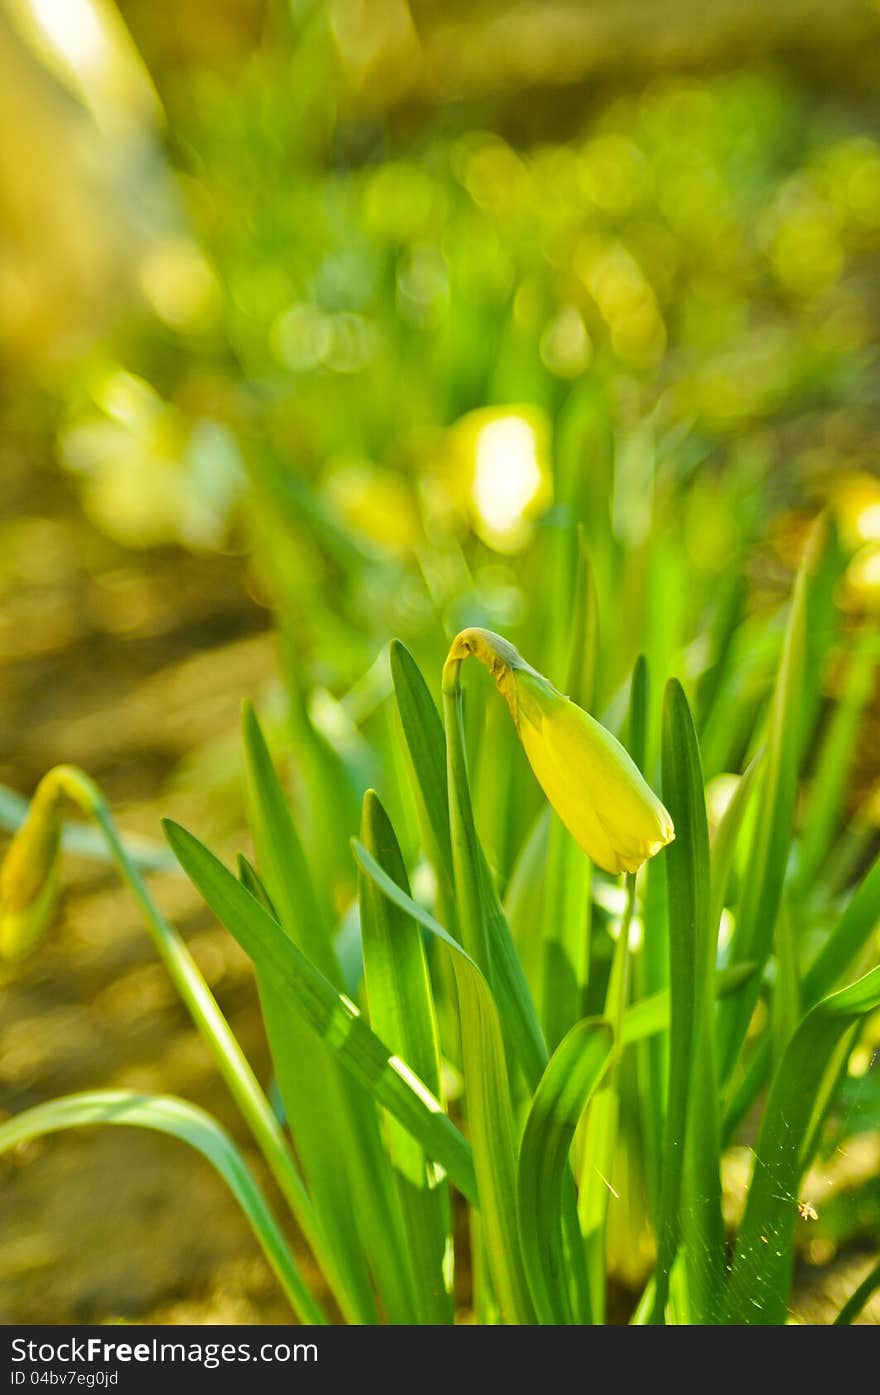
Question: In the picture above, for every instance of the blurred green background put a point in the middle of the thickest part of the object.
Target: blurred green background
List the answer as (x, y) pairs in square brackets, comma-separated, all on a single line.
[(318, 324)]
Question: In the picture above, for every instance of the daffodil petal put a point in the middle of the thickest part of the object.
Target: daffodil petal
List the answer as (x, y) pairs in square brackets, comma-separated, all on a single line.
[(576, 813), (590, 779)]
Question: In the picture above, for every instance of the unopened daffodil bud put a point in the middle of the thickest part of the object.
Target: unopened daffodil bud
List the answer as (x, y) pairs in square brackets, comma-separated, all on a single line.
[(29, 874), (590, 780)]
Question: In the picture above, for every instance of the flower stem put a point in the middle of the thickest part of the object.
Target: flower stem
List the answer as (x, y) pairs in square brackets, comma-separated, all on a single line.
[(600, 1141), (206, 1014)]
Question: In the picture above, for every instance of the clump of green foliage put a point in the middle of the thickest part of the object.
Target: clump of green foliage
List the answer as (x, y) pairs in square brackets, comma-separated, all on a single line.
[(516, 1045), (504, 1076)]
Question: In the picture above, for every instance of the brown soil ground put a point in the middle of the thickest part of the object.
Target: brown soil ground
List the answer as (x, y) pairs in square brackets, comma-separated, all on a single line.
[(123, 665)]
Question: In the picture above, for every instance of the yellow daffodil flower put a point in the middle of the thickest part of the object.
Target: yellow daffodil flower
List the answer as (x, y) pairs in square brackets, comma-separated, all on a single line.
[(29, 874), (588, 777)]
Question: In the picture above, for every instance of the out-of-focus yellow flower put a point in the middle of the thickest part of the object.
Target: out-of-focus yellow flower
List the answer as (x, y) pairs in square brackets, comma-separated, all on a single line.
[(869, 810), (501, 472), (719, 794), (374, 502), (588, 777), (807, 252), (862, 579), (152, 473), (855, 497), (180, 285), (29, 874)]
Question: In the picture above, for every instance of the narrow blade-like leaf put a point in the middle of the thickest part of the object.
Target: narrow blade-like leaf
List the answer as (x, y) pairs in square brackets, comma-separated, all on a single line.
[(356, 1206), (692, 1147), (822, 815), (426, 743), (768, 854), (402, 1013), (431, 765), (181, 1120), (761, 1272), (485, 933), (838, 955), (572, 1074), (490, 1111), (846, 941), (336, 1020), (649, 1016), (854, 1305), (567, 902)]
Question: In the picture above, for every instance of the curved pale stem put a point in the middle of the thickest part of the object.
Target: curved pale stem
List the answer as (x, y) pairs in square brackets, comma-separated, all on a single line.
[(205, 1012)]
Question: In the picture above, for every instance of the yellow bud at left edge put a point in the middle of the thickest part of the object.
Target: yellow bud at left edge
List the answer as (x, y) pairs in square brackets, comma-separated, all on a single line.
[(29, 874)]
